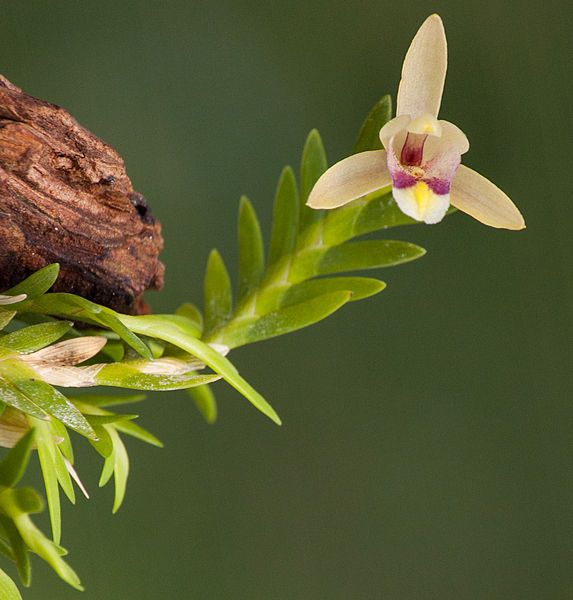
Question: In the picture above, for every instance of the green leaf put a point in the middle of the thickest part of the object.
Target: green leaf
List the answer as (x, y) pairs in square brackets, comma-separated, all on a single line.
[(76, 308), (12, 396), (108, 466), (379, 115), (373, 212), (61, 433), (136, 431), (251, 250), (35, 337), (38, 283), (44, 396), (5, 548), (285, 217), (124, 376), (104, 444), (313, 165), (191, 312), (206, 354), (360, 287), (205, 402), (14, 464), (25, 500), (6, 316), (367, 255), (8, 589), (218, 294), (52, 553), (151, 325), (109, 419), (103, 400), (286, 320), (46, 448), (120, 469), (19, 548)]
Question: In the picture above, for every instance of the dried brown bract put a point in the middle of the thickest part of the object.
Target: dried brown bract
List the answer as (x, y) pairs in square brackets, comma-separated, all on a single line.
[(65, 197)]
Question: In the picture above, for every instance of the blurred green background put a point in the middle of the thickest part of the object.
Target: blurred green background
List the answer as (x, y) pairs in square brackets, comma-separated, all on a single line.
[(426, 451)]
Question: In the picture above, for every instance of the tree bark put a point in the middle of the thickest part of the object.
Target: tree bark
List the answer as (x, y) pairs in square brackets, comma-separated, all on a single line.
[(65, 197)]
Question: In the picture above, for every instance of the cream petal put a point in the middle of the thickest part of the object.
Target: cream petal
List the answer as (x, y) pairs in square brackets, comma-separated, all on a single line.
[(393, 127), (351, 178), (454, 135), (480, 198), (424, 71)]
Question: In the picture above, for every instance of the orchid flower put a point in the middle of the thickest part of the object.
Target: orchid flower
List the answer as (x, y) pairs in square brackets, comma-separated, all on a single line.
[(422, 155)]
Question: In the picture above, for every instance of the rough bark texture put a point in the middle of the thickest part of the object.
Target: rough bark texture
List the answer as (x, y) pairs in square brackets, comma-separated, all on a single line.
[(65, 197)]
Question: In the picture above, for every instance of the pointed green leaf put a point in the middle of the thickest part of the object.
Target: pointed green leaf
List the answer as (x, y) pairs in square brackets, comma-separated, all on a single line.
[(108, 466), (14, 464), (379, 115), (368, 255), (5, 317), (120, 469), (20, 550), (124, 376), (44, 396), (313, 165), (49, 551), (104, 444), (35, 337), (360, 287), (12, 396), (218, 294), (102, 401), (61, 433), (63, 475), (109, 419), (152, 325), (285, 217), (222, 366), (99, 417), (191, 312), (205, 402), (46, 445), (8, 589), (134, 430), (38, 283), (251, 250), (5, 548), (373, 212), (76, 308), (287, 319), (24, 500)]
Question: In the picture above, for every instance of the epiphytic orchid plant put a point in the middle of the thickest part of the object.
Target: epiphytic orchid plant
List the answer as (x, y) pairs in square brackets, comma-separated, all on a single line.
[(53, 341), (422, 155)]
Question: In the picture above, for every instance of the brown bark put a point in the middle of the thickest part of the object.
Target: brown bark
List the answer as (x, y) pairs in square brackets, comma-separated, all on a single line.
[(65, 197)]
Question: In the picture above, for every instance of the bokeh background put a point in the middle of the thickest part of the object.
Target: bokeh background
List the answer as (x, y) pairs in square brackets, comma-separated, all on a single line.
[(426, 451)]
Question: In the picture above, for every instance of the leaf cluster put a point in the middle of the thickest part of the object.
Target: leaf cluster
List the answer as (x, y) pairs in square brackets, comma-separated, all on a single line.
[(50, 342)]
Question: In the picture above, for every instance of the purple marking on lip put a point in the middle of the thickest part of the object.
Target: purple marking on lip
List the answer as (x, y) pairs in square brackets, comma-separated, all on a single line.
[(403, 180), (438, 186), (413, 149)]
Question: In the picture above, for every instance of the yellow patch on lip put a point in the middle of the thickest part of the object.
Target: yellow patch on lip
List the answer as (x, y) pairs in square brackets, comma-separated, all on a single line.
[(422, 195)]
